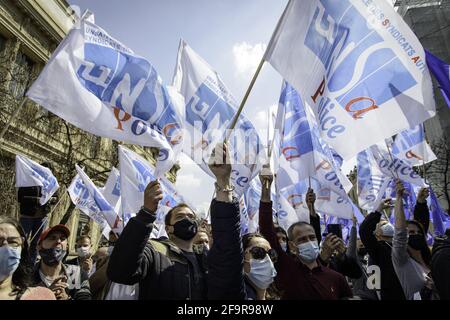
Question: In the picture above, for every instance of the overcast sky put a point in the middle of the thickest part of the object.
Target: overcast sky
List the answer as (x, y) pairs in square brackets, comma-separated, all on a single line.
[(231, 35)]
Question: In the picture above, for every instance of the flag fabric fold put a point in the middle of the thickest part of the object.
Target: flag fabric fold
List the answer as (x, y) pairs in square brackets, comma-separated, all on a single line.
[(99, 85), (209, 110), (441, 72), (29, 174), (358, 65)]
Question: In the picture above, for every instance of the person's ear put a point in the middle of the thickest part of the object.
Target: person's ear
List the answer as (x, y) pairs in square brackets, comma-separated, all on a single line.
[(292, 247), (169, 229)]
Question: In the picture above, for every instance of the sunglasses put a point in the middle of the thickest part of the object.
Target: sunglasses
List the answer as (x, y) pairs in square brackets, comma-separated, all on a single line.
[(259, 253)]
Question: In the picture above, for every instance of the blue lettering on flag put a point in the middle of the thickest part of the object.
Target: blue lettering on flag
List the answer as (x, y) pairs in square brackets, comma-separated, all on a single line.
[(338, 26), (143, 175), (129, 83)]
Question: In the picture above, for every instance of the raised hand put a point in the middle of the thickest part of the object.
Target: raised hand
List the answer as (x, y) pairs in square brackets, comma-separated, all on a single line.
[(423, 195), (400, 188), (310, 198), (266, 178), (152, 196), (385, 204), (330, 244), (219, 164)]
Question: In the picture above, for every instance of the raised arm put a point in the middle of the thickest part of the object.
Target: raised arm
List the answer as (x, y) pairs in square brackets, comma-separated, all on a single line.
[(226, 257), (352, 249), (421, 211), (367, 228), (313, 216), (131, 258), (400, 243), (266, 227)]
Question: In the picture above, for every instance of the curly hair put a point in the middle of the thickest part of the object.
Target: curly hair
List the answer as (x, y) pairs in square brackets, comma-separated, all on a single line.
[(21, 278)]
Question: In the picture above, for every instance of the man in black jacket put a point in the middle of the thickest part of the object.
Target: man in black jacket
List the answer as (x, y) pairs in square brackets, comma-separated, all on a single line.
[(376, 235), (169, 269), (165, 269)]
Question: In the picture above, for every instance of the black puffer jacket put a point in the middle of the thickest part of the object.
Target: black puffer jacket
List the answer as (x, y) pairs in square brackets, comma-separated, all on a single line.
[(226, 257), (160, 268), (380, 253)]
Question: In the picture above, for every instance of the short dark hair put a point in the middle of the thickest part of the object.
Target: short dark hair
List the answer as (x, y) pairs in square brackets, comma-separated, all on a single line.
[(418, 224), (297, 224), (169, 214), (247, 238), (84, 236), (279, 229)]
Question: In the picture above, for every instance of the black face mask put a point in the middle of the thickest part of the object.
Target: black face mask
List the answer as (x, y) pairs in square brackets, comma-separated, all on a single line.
[(417, 241), (362, 252), (52, 256), (185, 229)]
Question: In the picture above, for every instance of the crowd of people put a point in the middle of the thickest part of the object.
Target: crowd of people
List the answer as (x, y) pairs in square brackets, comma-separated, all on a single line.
[(379, 261)]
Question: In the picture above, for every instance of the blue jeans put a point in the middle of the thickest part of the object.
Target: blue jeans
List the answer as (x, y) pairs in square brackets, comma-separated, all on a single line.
[(33, 226)]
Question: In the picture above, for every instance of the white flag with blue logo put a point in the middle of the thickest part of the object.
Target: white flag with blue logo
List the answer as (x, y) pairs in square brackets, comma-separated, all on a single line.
[(84, 201), (410, 146), (30, 174), (302, 146), (327, 201), (210, 109), (358, 65), (371, 181), (135, 174), (393, 167), (99, 85), (287, 215), (111, 190), (98, 205)]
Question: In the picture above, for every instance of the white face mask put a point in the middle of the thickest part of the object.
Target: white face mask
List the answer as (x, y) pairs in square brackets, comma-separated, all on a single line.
[(83, 251), (309, 251), (283, 246), (387, 230), (262, 272)]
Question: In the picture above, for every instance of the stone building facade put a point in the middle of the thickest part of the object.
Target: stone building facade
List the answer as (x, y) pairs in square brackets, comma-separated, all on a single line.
[(30, 30)]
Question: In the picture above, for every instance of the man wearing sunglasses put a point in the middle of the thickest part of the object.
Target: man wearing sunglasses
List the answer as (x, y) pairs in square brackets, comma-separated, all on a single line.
[(301, 276)]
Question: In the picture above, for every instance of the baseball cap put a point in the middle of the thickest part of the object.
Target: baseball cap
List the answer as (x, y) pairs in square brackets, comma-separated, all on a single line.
[(60, 227)]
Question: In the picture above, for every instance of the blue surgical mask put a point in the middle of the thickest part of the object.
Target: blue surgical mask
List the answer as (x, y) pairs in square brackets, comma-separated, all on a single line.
[(9, 261), (52, 256), (309, 251), (262, 272), (283, 246)]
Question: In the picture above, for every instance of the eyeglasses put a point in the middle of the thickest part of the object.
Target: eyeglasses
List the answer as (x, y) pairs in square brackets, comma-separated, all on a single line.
[(259, 253), (13, 242)]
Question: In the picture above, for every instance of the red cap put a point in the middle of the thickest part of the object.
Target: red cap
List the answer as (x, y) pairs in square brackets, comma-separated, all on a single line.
[(60, 227)]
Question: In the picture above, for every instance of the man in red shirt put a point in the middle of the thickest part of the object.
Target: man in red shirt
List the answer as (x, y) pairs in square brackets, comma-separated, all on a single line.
[(300, 276)]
